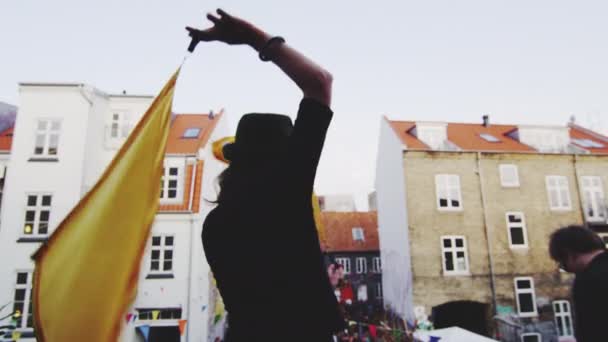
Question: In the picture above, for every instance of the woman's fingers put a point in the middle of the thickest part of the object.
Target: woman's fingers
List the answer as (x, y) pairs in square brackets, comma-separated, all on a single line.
[(203, 35), (222, 13), (213, 18)]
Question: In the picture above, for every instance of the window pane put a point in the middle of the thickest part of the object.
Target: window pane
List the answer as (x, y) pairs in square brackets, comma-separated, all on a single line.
[(459, 242), (517, 236), (42, 124), (31, 200), (447, 243), (46, 200), (168, 255), (20, 295), (443, 203), (155, 254), (167, 265), (449, 263), (525, 302), (29, 216), (44, 215), (172, 193), (514, 218), (21, 278), (523, 284), (55, 125), (43, 228), (173, 183), (28, 228), (530, 338), (168, 240), (156, 241), (173, 171), (154, 266)]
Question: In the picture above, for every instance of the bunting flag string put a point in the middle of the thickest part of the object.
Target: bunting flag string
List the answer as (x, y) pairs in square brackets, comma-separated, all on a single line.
[(375, 328), (145, 331)]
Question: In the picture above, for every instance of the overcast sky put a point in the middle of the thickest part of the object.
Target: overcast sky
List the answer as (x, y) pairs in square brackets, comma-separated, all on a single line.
[(518, 61)]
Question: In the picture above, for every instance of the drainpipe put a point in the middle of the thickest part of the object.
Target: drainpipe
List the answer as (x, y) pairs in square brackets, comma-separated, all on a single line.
[(579, 194), (487, 233)]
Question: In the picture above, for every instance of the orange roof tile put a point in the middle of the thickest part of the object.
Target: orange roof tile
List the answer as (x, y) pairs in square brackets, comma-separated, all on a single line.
[(467, 137), (402, 129), (338, 231), (578, 132), (179, 145), (6, 139)]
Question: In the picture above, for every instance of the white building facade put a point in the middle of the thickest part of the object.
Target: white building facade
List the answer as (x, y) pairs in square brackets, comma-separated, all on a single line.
[(64, 138)]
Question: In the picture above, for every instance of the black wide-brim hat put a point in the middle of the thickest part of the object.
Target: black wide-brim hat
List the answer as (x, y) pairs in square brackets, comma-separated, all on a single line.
[(259, 133)]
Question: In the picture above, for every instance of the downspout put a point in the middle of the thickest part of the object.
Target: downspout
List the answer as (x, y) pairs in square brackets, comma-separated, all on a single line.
[(578, 191), (192, 239), (487, 234)]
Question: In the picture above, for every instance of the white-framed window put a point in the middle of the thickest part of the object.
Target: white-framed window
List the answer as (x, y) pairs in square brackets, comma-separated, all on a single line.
[(378, 290), (120, 124), (454, 255), (558, 192), (345, 262), (22, 299), (361, 265), (516, 228), (449, 196), (358, 234), (525, 296), (362, 293), (46, 143), (593, 198), (509, 175), (376, 265), (172, 182), (563, 318), (531, 337), (604, 237), (161, 254), (37, 215)]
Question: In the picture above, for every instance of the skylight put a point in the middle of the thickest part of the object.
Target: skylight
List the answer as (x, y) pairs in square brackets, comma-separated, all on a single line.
[(587, 143), (489, 138), (191, 133), (358, 234)]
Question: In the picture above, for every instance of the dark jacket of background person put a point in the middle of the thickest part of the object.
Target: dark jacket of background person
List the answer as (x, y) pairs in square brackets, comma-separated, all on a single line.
[(263, 247), (590, 294)]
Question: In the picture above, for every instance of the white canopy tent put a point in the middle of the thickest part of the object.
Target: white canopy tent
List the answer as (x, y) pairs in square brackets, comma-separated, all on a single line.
[(453, 334)]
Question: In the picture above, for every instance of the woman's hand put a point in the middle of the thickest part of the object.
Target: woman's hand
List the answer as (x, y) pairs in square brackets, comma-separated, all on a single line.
[(230, 30)]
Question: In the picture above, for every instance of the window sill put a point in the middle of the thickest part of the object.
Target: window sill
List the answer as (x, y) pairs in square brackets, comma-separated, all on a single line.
[(449, 210), (528, 315), (457, 274), (519, 248), (510, 186), (33, 239), (25, 333), (160, 276), (44, 159)]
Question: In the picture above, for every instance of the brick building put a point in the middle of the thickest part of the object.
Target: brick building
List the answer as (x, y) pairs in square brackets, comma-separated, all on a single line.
[(465, 212)]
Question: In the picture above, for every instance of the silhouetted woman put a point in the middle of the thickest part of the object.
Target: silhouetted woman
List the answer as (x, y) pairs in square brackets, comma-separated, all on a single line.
[(260, 240)]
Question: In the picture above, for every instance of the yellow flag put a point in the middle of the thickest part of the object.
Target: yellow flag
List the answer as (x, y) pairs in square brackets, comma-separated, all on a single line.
[(16, 335), (155, 314), (87, 273)]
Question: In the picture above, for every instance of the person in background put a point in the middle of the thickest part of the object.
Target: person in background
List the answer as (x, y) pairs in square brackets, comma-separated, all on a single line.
[(579, 250), (260, 240)]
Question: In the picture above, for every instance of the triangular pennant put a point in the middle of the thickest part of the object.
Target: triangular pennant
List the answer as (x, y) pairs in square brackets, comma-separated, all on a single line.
[(135, 317), (155, 314), (145, 331), (128, 318), (182, 326), (16, 335)]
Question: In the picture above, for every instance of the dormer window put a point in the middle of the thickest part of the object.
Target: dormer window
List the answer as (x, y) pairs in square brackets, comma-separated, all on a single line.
[(434, 135), (358, 234), (544, 139), (191, 133)]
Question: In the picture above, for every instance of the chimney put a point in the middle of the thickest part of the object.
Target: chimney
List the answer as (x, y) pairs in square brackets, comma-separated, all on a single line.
[(211, 115), (124, 92), (486, 120)]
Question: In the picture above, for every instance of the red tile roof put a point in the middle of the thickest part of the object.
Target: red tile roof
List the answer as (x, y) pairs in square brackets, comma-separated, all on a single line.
[(578, 132), (338, 231), (6, 139), (179, 145), (467, 137)]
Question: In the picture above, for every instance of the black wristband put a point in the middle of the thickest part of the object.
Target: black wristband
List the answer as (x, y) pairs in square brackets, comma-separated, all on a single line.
[(274, 40)]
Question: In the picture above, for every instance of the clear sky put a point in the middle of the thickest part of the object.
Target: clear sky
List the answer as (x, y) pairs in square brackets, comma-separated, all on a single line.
[(527, 61)]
